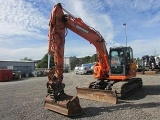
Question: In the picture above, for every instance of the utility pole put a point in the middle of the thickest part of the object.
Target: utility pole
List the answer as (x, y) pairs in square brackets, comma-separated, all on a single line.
[(125, 33)]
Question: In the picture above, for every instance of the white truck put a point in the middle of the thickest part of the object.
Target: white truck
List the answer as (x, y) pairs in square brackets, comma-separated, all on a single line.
[(84, 69), (157, 61), (76, 70)]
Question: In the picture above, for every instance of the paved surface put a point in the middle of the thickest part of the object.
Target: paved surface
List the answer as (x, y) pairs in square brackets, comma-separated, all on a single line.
[(24, 100)]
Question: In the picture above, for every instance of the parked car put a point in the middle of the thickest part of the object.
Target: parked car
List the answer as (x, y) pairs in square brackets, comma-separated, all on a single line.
[(83, 70), (76, 70)]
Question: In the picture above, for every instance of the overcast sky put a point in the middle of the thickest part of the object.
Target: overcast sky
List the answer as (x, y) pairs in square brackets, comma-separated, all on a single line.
[(24, 26)]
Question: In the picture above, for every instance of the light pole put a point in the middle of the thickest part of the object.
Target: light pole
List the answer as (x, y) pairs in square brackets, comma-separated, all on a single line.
[(125, 33)]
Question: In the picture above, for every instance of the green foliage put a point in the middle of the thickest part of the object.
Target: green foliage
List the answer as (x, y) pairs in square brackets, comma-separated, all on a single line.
[(44, 62), (74, 61), (93, 58), (26, 59), (138, 59)]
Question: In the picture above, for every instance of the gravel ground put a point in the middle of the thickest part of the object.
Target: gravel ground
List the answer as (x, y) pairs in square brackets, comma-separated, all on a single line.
[(24, 100)]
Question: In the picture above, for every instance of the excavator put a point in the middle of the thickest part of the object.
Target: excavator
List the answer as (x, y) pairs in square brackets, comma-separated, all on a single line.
[(115, 71)]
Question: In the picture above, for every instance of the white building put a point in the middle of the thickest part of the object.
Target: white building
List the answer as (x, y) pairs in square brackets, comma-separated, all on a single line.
[(67, 62)]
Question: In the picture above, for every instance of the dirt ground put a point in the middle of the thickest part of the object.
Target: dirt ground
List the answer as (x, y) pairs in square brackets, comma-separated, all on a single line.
[(24, 100)]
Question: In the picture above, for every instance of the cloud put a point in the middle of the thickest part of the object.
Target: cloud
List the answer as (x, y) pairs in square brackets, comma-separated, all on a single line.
[(148, 5), (153, 21), (24, 26), (20, 18), (95, 18), (150, 11), (19, 53), (72, 48), (23, 29), (145, 47)]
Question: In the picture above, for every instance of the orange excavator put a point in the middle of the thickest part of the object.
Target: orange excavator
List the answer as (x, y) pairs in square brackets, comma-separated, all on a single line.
[(115, 71)]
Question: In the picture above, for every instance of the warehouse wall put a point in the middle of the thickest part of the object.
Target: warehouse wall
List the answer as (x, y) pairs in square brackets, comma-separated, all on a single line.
[(23, 66)]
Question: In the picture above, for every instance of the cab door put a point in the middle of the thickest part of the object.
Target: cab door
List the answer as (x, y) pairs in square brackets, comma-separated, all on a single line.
[(117, 62)]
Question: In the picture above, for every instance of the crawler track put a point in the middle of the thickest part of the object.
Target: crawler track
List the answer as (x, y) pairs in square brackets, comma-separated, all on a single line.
[(127, 88)]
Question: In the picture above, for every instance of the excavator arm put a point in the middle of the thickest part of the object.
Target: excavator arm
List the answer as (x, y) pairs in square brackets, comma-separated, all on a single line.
[(56, 43), (56, 99)]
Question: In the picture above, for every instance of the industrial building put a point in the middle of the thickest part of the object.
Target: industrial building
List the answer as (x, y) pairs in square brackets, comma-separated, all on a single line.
[(67, 66), (26, 67), (67, 61)]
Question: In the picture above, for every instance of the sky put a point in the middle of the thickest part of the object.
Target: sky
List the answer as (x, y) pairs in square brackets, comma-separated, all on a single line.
[(24, 26)]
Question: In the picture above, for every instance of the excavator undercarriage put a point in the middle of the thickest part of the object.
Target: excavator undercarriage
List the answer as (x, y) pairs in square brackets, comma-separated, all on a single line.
[(109, 91)]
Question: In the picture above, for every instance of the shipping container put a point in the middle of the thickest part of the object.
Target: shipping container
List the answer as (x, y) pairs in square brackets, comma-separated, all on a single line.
[(5, 75)]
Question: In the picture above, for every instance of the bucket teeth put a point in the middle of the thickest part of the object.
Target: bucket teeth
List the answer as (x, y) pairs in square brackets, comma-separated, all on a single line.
[(66, 105), (108, 96)]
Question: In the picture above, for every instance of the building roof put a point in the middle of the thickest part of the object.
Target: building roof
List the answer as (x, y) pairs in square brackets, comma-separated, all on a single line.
[(16, 61)]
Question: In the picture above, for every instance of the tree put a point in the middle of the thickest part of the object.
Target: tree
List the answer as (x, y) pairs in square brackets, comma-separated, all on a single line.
[(74, 62), (86, 59), (26, 59), (44, 62), (93, 58)]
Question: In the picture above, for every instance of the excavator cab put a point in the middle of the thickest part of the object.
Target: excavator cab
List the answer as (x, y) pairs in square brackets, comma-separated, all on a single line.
[(120, 60)]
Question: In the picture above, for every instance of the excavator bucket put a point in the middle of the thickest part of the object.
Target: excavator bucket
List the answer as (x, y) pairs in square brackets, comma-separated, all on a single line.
[(66, 105), (108, 96)]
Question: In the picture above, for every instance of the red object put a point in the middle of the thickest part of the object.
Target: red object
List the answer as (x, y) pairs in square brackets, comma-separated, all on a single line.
[(5, 75)]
